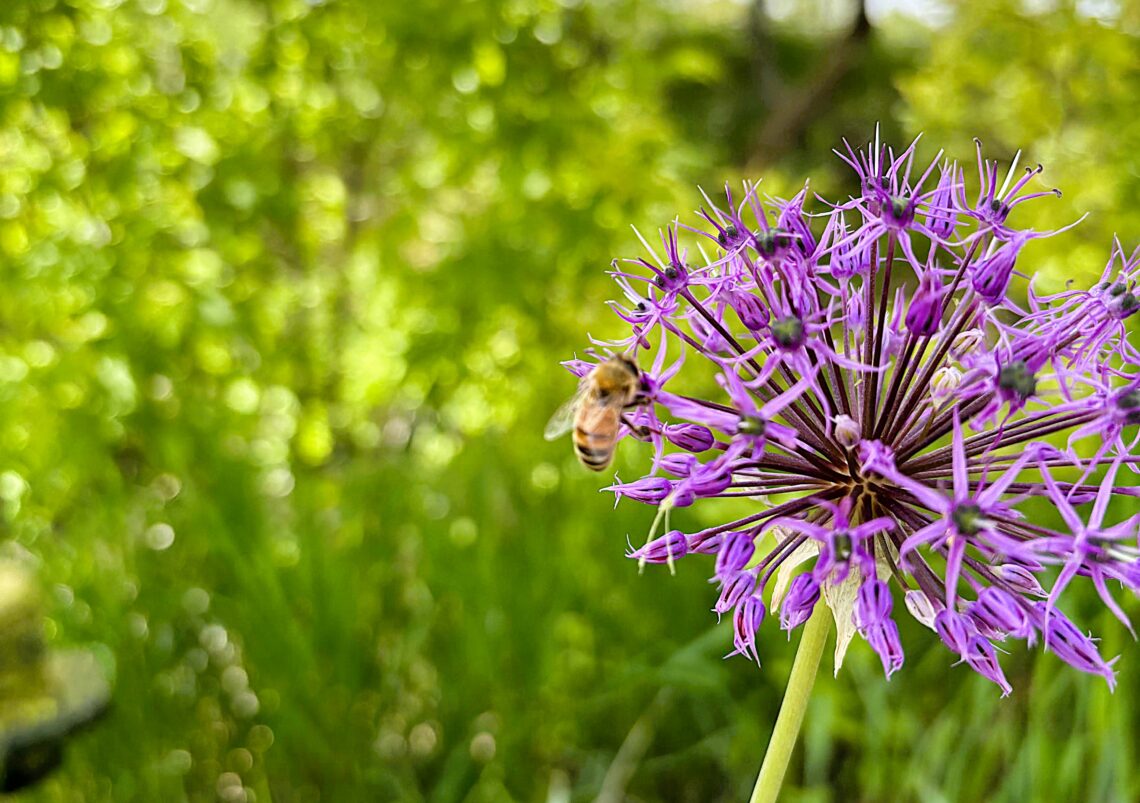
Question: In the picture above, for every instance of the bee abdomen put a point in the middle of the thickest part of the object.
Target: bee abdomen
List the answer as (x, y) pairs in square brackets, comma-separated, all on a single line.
[(594, 449), (595, 459)]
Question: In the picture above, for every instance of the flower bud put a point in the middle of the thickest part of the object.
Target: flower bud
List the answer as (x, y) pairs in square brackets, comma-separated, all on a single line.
[(924, 316), (710, 479), (746, 620), (968, 342), (848, 433), (678, 464), (920, 607), (1124, 307), (673, 279), (1000, 611), (753, 312), (802, 596), (847, 261), (940, 215), (856, 313), (954, 629), (991, 277), (690, 437), (671, 546), (851, 258), (681, 496), (944, 383), (735, 552), (980, 655), (650, 490), (732, 591), (1020, 579), (873, 603), (884, 640), (792, 219), (898, 212), (1068, 643)]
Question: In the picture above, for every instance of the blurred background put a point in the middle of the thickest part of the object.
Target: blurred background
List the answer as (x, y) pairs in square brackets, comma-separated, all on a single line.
[(285, 285)]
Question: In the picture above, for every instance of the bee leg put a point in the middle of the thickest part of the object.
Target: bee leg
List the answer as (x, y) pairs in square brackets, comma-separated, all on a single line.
[(640, 432)]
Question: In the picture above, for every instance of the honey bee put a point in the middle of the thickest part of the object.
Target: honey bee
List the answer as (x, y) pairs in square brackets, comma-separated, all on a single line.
[(594, 412)]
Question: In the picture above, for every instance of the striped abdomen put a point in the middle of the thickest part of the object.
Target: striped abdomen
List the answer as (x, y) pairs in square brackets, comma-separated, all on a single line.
[(595, 432)]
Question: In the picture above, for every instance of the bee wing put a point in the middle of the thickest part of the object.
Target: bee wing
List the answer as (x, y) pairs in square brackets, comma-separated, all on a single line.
[(563, 419)]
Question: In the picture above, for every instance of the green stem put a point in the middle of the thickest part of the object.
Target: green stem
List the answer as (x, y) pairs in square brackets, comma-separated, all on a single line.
[(791, 715)]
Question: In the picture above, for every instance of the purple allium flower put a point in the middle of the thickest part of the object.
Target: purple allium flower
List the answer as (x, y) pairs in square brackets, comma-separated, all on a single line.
[(890, 408)]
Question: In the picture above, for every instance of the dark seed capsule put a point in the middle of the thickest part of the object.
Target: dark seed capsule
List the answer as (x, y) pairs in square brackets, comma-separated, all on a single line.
[(751, 425), (788, 332), (727, 235), (967, 518), (1130, 404), (1017, 377), (766, 243)]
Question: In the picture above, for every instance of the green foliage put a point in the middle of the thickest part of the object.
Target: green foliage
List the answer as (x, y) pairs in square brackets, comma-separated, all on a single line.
[(286, 284), (1055, 85)]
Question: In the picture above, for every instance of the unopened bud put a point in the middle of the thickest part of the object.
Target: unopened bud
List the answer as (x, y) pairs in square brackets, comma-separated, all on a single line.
[(679, 464), (1020, 579), (954, 629), (991, 276), (665, 549), (803, 593), (856, 313), (1000, 611), (924, 315), (847, 431), (884, 639), (734, 554), (734, 590), (968, 342), (920, 607), (945, 381), (873, 603), (981, 657), (690, 437), (750, 309), (940, 216)]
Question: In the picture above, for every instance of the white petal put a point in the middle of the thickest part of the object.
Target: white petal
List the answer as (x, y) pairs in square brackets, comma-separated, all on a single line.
[(840, 597)]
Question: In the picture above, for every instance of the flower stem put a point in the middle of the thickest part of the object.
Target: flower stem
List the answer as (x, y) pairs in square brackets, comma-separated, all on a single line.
[(791, 715)]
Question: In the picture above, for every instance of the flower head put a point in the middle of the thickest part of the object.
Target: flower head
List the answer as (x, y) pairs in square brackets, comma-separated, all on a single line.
[(886, 403)]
